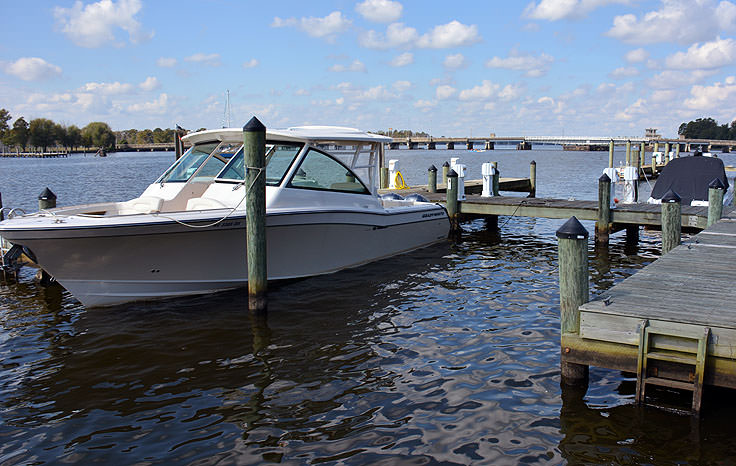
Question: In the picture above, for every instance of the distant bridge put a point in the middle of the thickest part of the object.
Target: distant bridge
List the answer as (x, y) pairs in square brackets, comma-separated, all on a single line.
[(526, 142)]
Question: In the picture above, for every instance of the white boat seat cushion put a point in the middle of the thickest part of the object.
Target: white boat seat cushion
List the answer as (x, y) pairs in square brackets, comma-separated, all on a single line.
[(204, 203), (142, 205)]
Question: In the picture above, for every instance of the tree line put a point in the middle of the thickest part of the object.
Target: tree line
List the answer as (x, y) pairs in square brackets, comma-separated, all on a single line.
[(708, 128), (42, 133)]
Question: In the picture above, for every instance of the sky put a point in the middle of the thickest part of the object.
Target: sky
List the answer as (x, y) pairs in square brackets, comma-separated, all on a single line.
[(461, 68)]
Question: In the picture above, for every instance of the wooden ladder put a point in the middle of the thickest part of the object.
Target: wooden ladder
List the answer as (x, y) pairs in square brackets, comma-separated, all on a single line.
[(681, 348)]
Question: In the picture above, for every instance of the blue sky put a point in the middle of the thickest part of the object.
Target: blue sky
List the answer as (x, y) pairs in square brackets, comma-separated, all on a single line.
[(528, 68)]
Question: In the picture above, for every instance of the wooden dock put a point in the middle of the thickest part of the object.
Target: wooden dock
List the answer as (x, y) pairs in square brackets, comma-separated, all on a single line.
[(686, 295), (621, 216)]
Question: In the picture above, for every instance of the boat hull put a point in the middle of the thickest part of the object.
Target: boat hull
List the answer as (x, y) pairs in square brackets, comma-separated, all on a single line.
[(121, 263)]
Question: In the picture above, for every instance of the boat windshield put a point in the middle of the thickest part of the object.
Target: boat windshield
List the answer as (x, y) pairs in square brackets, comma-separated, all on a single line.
[(278, 160), (184, 168)]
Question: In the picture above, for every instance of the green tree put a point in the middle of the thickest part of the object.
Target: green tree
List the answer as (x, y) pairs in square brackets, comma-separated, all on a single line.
[(75, 136), (43, 133), (21, 133), (99, 134)]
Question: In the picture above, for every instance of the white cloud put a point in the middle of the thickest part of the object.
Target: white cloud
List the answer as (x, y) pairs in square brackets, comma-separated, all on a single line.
[(452, 34), (302, 92), (639, 107), (326, 28), (31, 69), (712, 97), (484, 91), (157, 106), (455, 62), (150, 84), (406, 58), (212, 59), (445, 91), (380, 11), (553, 10), (356, 66), (664, 96), (682, 21), (108, 88), (425, 104), (533, 66), (94, 25), (672, 79), (397, 35), (623, 72), (166, 62), (252, 63), (715, 54), (636, 55), (402, 86), (511, 92), (546, 100)]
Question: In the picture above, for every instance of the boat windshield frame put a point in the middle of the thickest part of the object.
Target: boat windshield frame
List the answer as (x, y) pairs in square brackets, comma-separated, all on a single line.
[(271, 150), (189, 161)]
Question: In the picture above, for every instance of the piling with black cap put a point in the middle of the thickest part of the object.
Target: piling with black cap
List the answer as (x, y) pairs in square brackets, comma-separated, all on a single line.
[(445, 171), (532, 178), (715, 200), (254, 137), (452, 204), (671, 221), (432, 179), (603, 225), (2, 214), (574, 291), (46, 200)]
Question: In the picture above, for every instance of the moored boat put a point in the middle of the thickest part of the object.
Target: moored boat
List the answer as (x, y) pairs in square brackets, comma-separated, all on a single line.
[(185, 234)]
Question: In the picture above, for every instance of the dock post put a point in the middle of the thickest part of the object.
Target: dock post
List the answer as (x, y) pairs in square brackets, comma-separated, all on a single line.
[(632, 235), (2, 214), (574, 291), (452, 204), (254, 138), (432, 179), (610, 153), (642, 155), (671, 221), (445, 171), (532, 178), (384, 177), (496, 178), (677, 151), (666, 157), (715, 201), (46, 200), (628, 153), (603, 225), (637, 163)]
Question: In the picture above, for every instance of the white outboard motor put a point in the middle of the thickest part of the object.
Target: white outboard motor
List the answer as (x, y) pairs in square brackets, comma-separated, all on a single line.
[(631, 176), (393, 167), (487, 171), (611, 172), (460, 170), (658, 157)]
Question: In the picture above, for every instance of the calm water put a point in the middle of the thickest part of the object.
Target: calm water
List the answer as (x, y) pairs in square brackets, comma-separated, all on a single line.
[(446, 355)]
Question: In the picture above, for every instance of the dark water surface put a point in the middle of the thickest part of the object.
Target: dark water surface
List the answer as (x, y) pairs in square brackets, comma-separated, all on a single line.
[(446, 355)]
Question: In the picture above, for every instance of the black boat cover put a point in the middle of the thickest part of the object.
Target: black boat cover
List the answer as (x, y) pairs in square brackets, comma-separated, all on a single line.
[(689, 177)]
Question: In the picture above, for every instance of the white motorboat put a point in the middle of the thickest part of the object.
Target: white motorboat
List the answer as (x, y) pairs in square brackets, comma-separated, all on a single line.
[(185, 234)]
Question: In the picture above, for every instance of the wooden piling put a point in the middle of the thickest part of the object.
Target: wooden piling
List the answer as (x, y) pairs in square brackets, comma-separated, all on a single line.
[(532, 178), (671, 221), (637, 164), (610, 154), (452, 204), (628, 153), (254, 136), (2, 214), (574, 291), (445, 171), (432, 179), (46, 200), (654, 164), (496, 178), (677, 151), (384, 177), (642, 155), (715, 201), (603, 225), (666, 157)]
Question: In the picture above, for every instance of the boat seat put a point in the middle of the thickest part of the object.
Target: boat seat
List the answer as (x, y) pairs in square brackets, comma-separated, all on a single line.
[(142, 205), (204, 203)]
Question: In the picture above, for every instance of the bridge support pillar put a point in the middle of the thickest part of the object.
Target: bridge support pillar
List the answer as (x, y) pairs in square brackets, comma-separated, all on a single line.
[(431, 146), (393, 145), (450, 146), (524, 145), (469, 144), (490, 145)]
